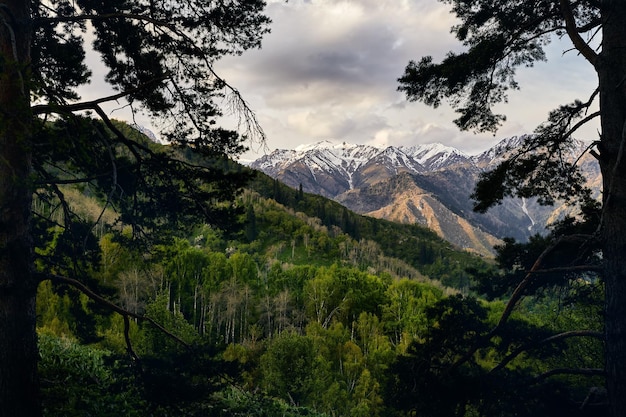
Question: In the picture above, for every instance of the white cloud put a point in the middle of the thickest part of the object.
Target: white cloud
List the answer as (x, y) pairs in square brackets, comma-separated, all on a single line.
[(329, 70), (330, 67)]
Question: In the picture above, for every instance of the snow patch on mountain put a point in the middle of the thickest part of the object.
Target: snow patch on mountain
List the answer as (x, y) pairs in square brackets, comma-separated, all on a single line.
[(525, 210)]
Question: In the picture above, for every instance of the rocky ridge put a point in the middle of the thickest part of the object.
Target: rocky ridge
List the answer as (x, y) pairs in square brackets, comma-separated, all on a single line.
[(427, 184)]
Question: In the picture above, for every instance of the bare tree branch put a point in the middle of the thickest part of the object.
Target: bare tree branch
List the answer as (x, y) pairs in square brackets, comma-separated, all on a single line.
[(69, 181), (114, 184), (519, 291), (575, 268), (129, 345)]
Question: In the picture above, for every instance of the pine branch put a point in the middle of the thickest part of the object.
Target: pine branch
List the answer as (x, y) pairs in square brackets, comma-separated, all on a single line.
[(108, 304), (581, 123), (236, 103), (560, 336), (573, 33), (517, 295), (571, 371), (90, 105)]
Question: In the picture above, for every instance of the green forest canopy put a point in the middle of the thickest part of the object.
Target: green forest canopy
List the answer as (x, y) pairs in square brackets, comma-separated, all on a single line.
[(208, 310), (314, 314)]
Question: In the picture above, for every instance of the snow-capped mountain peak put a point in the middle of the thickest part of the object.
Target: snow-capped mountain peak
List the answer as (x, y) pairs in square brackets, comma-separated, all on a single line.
[(436, 155), (340, 166), (428, 184), (351, 156), (325, 144), (497, 152), (149, 133)]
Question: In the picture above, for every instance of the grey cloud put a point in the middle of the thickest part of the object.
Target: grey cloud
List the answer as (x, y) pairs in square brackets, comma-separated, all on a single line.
[(310, 46), (329, 70)]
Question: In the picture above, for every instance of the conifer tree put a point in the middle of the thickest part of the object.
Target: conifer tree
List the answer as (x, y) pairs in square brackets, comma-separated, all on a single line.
[(160, 58), (499, 38)]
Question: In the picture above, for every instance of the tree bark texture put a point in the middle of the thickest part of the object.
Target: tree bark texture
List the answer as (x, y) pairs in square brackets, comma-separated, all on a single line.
[(611, 69), (19, 388)]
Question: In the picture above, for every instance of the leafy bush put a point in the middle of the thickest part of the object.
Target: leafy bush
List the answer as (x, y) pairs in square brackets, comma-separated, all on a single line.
[(76, 382)]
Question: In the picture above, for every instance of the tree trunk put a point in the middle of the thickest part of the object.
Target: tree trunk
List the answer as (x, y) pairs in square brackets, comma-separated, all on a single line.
[(612, 76), (19, 387)]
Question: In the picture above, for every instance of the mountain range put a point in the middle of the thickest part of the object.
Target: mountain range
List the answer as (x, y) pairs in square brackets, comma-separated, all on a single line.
[(427, 184)]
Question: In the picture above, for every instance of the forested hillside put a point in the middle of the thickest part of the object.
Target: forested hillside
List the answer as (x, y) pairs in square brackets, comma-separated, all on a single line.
[(428, 184), (138, 279), (304, 308)]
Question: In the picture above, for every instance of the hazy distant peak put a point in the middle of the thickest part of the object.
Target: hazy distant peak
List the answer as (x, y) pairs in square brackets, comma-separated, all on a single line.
[(499, 151), (503, 149)]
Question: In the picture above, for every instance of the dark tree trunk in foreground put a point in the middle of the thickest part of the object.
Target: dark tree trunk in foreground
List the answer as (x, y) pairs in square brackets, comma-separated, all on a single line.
[(612, 80), (19, 388)]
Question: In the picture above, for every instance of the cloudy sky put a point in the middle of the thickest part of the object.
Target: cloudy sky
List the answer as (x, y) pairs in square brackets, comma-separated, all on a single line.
[(329, 70)]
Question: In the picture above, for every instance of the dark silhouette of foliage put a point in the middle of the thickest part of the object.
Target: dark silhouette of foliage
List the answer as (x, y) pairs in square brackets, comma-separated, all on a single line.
[(498, 39), (429, 379), (159, 60)]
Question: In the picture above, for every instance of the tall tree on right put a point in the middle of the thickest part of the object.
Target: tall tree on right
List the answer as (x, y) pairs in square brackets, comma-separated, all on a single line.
[(500, 37)]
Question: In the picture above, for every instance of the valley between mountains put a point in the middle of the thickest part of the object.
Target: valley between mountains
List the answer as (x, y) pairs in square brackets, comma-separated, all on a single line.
[(427, 184)]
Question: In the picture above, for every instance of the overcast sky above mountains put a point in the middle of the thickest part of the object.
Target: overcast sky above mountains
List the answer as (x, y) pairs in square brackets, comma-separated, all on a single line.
[(329, 70)]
